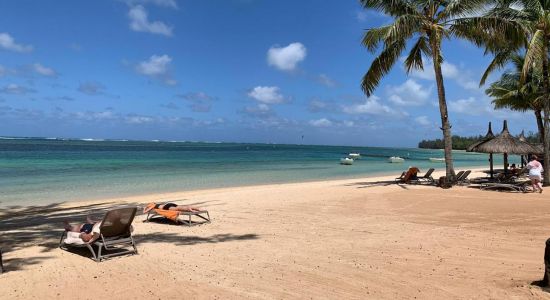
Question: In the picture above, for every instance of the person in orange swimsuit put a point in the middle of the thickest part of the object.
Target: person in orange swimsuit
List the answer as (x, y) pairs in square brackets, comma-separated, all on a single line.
[(170, 206)]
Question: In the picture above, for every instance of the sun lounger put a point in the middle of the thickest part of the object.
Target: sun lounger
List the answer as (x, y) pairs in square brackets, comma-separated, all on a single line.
[(407, 176), (115, 233), (463, 178), (515, 187), (426, 178), (173, 216)]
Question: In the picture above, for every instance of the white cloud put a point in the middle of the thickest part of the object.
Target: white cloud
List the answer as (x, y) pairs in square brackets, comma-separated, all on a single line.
[(372, 106), (136, 119), (7, 42), (481, 107), (410, 93), (286, 58), (449, 71), (40, 69), (16, 89), (267, 94), (139, 21), (157, 67), (348, 123), (91, 88), (261, 110), (164, 3), (318, 105), (326, 81), (323, 122), (422, 120), (469, 106)]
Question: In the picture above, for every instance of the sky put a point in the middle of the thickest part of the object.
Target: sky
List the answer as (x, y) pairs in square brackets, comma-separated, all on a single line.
[(262, 71)]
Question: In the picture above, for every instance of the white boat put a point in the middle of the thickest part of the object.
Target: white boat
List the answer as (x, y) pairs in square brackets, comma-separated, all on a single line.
[(354, 155), (437, 159), (396, 159), (346, 161)]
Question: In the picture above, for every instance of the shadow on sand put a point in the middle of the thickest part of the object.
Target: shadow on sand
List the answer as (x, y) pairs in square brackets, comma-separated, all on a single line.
[(22, 227), (367, 184)]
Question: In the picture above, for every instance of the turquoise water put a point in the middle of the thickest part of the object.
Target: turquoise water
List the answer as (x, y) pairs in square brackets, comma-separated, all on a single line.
[(41, 171)]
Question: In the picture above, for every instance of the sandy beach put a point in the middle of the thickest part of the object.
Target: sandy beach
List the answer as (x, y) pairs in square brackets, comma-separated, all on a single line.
[(343, 239)]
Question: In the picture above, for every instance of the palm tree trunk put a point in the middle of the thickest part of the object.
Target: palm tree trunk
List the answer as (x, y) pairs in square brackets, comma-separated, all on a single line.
[(445, 125), (540, 125), (546, 84)]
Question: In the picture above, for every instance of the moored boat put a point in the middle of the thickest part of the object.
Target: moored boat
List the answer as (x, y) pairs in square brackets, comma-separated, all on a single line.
[(396, 159), (346, 161), (354, 156), (437, 159)]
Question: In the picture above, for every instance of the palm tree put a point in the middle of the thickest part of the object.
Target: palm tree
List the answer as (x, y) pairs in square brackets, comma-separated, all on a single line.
[(510, 92), (428, 23), (532, 17)]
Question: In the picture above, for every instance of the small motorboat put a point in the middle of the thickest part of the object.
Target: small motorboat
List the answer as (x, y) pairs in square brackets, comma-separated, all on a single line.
[(354, 156), (437, 159), (396, 159), (346, 161)]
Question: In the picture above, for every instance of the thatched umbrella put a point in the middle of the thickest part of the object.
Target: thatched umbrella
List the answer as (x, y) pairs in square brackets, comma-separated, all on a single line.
[(488, 136), (507, 144)]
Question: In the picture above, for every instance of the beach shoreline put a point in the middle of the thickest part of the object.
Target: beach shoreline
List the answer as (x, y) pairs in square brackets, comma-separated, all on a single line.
[(173, 195), (353, 238)]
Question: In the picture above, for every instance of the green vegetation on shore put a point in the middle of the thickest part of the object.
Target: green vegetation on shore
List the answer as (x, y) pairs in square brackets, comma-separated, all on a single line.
[(461, 143)]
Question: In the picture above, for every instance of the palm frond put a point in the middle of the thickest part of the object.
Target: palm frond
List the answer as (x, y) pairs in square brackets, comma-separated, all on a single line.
[(392, 8), (373, 37), (534, 53), (381, 66), (414, 59), (463, 8), (498, 62), (491, 32)]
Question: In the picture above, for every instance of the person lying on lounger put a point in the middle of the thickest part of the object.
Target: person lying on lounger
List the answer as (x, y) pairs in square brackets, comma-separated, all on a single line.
[(89, 231), (170, 206)]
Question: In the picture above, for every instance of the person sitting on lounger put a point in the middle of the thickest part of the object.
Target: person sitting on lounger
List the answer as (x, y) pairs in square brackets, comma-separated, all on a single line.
[(170, 206), (89, 231)]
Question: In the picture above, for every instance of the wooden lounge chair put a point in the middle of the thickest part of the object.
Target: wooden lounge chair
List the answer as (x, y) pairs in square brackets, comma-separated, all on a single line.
[(407, 176), (514, 187), (463, 178), (426, 178), (173, 216), (115, 232)]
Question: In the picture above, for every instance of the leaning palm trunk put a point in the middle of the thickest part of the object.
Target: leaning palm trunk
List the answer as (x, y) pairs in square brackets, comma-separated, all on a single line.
[(540, 125), (445, 125), (546, 85)]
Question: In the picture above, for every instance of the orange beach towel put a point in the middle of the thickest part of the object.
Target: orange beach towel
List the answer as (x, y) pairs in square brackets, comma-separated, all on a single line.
[(169, 214)]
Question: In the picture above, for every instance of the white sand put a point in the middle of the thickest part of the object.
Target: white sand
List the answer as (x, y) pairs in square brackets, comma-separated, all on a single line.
[(342, 239)]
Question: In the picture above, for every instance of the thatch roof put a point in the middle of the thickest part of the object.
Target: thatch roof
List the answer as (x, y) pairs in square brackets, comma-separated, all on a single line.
[(505, 143), (521, 136), (487, 137)]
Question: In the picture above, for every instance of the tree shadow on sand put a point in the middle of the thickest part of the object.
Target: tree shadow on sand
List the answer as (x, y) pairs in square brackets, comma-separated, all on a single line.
[(22, 227), (179, 240), (367, 184)]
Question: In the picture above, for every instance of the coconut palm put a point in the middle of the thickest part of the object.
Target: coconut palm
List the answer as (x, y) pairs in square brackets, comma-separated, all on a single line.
[(510, 92), (427, 23), (533, 18)]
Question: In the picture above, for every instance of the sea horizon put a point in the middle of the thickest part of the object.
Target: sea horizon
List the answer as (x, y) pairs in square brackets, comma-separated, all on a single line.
[(46, 170)]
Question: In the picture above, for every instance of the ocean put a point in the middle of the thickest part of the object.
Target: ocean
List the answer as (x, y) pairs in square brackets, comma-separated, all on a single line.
[(40, 171)]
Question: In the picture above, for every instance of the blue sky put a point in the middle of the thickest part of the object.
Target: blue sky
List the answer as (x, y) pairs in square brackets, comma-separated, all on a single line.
[(236, 70)]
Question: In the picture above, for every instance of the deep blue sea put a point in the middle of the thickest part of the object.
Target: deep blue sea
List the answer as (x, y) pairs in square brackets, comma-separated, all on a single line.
[(39, 171)]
